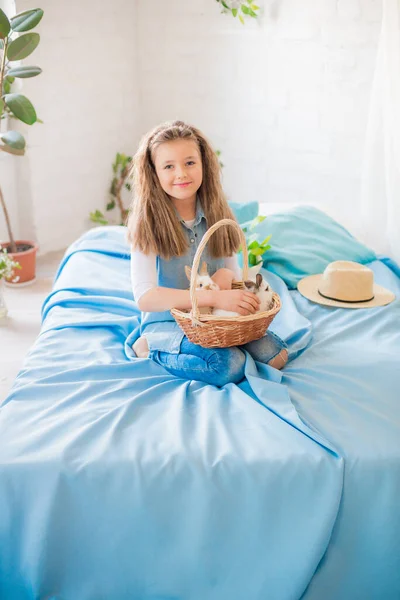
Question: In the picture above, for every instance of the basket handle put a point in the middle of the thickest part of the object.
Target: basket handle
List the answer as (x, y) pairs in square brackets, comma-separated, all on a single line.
[(196, 261)]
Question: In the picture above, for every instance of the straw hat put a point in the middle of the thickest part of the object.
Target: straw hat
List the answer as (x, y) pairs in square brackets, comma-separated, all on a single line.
[(345, 284)]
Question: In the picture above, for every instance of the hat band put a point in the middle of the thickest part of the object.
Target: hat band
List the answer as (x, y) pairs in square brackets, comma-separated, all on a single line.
[(347, 301)]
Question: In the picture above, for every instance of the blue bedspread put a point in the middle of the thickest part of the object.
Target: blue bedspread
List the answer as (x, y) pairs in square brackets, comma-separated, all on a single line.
[(120, 481)]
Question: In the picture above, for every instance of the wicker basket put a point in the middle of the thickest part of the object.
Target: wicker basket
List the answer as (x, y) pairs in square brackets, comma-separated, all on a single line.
[(212, 331)]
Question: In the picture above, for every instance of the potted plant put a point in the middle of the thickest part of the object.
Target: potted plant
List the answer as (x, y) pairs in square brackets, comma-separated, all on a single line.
[(7, 266), (119, 181), (15, 47)]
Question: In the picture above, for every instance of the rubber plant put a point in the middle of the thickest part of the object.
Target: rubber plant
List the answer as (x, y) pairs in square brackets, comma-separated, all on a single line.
[(16, 45)]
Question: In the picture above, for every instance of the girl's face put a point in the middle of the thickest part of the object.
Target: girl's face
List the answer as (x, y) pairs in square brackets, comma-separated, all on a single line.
[(179, 162)]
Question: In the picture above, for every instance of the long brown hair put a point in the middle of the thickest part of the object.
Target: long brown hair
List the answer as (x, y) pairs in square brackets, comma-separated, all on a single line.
[(153, 225)]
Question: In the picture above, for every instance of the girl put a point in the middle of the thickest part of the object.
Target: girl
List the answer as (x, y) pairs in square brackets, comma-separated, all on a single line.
[(177, 196)]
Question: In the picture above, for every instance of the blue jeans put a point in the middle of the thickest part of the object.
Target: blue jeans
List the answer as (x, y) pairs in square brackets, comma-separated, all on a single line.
[(217, 366)]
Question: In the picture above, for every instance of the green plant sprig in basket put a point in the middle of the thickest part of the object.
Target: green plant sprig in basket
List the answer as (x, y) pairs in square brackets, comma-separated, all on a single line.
[(255, 248)]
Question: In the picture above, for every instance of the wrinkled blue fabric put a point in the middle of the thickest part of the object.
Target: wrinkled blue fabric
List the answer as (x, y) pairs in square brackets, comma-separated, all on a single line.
[(120, 481)]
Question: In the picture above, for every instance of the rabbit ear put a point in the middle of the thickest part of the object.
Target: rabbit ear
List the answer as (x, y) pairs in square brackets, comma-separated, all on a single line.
[(258, 280), (188, 272), (203, 269)]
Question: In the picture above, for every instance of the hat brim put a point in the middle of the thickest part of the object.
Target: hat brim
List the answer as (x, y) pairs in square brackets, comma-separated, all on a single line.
[(308, 287)]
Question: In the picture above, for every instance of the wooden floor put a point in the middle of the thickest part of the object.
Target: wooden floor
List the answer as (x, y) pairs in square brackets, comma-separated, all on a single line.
[(22, 325)]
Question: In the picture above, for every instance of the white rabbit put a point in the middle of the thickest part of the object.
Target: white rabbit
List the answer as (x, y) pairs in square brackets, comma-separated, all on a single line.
[(203, 282), (261, 288)]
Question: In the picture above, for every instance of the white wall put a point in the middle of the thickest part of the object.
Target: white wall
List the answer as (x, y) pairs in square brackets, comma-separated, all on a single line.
[(285, 99), (86, 97)]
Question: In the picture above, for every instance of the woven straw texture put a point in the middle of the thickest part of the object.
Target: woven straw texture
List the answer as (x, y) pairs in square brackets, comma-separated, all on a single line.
[(212, 331)]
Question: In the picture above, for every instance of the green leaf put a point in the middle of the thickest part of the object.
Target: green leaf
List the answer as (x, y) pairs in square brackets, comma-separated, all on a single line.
[(252, 260), (259, 219), (258, 251), (266, 240), (25, 72), (245, 9), (110, 205), (11, 150), (27, 20), (113, 187), (21, 107), (234, 11), (23, 46), (13, 139), (224, 4), (255, 7), (253, 245), (6, 86), (4, 25), (128, 186), (252, 14), (98, 217)]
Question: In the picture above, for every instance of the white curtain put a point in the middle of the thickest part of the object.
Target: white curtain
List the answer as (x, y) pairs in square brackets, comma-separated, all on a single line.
[(380, 190)]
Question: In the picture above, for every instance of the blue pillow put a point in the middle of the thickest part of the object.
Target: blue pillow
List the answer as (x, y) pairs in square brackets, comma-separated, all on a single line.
[(244, 212), (304, 241)]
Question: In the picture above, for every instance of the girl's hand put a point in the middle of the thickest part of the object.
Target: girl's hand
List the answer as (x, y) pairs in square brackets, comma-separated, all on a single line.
[(223, 277), (240, 301)]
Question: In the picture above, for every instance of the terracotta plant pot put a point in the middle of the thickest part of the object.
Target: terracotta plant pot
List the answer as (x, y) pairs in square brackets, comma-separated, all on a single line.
[(26, 256)]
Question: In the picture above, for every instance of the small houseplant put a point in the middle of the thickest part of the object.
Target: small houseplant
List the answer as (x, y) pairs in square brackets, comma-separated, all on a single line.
[(119, 181), (15, 47), (239, 8), (7, 266), (255, 248)]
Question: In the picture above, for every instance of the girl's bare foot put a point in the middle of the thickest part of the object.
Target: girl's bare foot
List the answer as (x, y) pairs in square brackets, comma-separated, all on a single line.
[(280, 360), (140, 348)]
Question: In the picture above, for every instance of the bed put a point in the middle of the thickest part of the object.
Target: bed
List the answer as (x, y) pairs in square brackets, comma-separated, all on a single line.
[(120, 481)]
